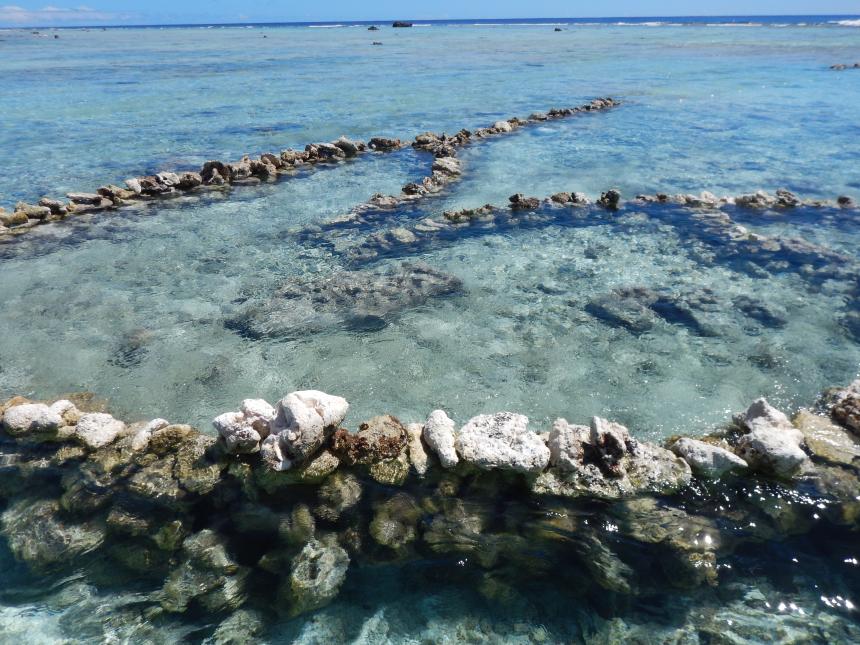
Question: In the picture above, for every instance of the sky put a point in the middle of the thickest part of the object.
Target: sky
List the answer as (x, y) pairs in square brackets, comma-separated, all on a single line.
[(107, 12)]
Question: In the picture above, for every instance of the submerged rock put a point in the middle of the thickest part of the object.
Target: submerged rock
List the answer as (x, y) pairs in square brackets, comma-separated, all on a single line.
[(447, 166), (502, 441), (316, 576), (37, 534), (395, 522), (391, 472), (242, 627), (417, 449), (691, 541), (306, 306), (607, 569), (628, 308), (208, 576), (827, 440), (638, 309), (339, 493)]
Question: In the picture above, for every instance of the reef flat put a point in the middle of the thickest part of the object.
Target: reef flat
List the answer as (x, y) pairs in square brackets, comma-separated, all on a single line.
[(272, 518)]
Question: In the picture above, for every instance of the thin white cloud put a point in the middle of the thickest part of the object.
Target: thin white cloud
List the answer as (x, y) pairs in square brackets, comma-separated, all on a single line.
[(51, 15)]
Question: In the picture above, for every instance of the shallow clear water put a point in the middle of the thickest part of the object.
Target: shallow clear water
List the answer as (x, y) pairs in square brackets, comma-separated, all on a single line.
[(135, 305), (137, 300)]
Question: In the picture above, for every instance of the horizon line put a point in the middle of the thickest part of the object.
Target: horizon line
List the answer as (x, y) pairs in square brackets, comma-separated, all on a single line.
[(423, 20)]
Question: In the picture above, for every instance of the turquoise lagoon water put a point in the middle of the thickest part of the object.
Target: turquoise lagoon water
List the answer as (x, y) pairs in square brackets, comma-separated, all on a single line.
[(136, 305), (726, 109)]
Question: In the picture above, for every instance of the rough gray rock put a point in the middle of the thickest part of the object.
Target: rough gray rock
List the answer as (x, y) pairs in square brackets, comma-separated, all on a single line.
[(845, 406), (244, 430), (607, 463), (380, 438), (439, 433), (302, 423), (762, 414), (31, 418), (32, 211), (610, 199), (707, 460), (502, 441), (38, 535), (826, 440), (383, 144), (566, 445), (773, 451), (772, 443), (417, 450), (350, 148), (97, 429), (522, 203)]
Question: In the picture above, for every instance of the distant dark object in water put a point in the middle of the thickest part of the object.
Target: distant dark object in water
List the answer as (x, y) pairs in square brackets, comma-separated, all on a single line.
[(56, 36), (558, 29), (400, 23), (373, 28), (376, 42), (841, 66)]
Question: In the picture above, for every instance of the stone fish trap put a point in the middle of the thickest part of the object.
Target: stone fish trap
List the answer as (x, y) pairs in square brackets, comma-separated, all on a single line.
[(286, 501), (217, 175), (705, 219)]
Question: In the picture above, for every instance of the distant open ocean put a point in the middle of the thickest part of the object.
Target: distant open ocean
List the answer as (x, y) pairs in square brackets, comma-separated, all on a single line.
[(649, 21)]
